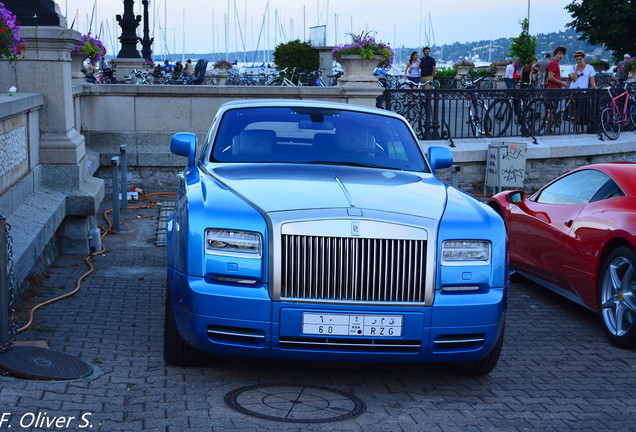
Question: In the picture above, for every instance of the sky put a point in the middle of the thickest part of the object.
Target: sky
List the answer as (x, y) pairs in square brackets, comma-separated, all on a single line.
[(203, 26)]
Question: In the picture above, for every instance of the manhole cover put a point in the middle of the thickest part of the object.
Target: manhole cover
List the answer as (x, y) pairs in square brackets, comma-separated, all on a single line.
[(294, 403), (44, 364)]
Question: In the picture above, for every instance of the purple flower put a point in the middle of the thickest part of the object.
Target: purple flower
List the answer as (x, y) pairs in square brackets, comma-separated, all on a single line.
[(366, 46), (11, 44)]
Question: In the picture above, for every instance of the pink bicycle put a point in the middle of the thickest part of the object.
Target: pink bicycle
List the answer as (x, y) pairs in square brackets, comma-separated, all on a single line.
[(621, 112)]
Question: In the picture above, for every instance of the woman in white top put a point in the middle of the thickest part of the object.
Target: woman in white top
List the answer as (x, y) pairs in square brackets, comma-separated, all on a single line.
[(582, 74), (412, 71), (582, 77)]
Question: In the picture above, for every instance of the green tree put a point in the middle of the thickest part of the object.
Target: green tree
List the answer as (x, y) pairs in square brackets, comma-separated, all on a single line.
[(606, 22), (524, 45), (300, 55)]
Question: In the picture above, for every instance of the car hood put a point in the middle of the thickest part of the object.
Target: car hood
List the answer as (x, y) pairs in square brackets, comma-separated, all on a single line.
[(282, 187)]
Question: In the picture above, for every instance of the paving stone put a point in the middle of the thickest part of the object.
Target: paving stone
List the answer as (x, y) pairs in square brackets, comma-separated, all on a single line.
[(557, 370)]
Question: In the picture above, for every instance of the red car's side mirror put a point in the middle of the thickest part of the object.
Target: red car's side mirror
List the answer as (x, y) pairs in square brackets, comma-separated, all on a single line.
[(516, 197)]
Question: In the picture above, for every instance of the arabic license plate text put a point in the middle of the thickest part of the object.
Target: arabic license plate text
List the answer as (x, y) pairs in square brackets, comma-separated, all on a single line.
[(352, 325)]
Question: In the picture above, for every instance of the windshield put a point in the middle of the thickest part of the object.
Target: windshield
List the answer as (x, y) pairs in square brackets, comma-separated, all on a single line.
[(316, 135)]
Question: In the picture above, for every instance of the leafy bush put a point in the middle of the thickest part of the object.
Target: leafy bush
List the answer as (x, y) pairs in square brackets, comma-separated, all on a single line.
[(494, 65), (222, 64), (480, 72), (445, 73), (602, 63), (297, 54)]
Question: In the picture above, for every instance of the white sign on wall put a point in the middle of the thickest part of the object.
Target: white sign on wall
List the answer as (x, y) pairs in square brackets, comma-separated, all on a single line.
[(506, 165)]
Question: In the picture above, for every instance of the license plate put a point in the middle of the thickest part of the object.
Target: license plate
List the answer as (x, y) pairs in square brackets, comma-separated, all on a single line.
[(352, 325)]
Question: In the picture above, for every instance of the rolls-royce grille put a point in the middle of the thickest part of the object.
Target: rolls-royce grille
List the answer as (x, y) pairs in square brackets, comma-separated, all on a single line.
[(353, 269)]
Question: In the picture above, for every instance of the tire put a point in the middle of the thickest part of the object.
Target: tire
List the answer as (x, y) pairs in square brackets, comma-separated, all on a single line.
[(611, 128), (482, 366), (498, 117), (176, 351), (631, 113), (617, 297), (535, 117)]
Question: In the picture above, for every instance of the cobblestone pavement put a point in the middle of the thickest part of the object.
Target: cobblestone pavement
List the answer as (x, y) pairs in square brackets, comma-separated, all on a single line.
[(557, 371)]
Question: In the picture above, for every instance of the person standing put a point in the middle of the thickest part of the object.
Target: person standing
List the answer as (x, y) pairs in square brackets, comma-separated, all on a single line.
[(581, 77), (508, 77), (428, 67), (555, 82), (516, 74), (526, 72), (622, 74), (543, 70), (582, 74), (554, 70), (412, 71)]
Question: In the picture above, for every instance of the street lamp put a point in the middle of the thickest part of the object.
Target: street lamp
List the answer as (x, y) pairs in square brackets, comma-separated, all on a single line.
[(146, 42), (128, 23)]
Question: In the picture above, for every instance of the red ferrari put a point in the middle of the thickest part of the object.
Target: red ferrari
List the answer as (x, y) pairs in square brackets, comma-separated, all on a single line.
[(577, 236)]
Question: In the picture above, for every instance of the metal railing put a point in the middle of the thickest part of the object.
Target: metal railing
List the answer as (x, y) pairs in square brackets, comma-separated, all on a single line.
[(481, 113)]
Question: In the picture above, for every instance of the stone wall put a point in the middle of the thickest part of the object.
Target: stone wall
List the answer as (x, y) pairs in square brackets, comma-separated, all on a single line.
[(33, 211), (145, 118)]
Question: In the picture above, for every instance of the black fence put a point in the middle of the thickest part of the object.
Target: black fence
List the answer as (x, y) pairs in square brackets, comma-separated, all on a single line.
[(477, 113)]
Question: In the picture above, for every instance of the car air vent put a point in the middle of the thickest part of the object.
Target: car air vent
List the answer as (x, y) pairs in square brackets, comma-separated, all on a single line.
[(459, 342), (236, 336)]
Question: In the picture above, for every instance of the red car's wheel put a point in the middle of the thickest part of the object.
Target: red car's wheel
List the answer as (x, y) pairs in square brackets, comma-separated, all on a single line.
[(617, 297)]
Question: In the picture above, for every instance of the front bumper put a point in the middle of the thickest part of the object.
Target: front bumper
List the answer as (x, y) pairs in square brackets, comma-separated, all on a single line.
[(243, 321)]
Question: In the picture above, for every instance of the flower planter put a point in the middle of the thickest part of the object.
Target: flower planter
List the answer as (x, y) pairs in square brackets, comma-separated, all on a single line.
[(631, 75), (77, 60), (463, 70), (501, 71), (598, 69), (358, 71)]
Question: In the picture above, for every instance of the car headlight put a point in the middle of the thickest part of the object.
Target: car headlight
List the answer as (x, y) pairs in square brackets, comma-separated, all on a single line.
[(466, 252), (233, 242)]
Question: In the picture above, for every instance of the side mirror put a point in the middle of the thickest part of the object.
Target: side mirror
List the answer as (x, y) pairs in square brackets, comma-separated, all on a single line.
[(184, 144), (439, 157), (516, 197)]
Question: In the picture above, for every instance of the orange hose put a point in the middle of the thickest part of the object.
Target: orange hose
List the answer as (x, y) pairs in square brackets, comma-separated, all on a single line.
[(87, 260)]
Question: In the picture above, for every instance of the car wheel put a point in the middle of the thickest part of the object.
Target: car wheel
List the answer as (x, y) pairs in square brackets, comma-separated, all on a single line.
[(482, 366), (176, 351), (617, 297)]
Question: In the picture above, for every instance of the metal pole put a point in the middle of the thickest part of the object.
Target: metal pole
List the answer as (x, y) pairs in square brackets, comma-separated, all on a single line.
[(123, 162), (499, 168), (4, 284), (115, 163)]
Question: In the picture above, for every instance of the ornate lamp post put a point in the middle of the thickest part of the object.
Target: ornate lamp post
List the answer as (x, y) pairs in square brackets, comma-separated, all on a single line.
[(128, 23), (146, 42)]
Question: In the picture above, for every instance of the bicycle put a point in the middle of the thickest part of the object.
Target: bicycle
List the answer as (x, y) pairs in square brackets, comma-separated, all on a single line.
[(614, 117), (496, 117), (482, 82), (432, 84), (546, 115)]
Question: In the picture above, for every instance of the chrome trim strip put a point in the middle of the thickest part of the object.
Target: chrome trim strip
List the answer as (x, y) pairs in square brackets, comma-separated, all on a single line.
[(236, 334), (366, 345), (459, 341)]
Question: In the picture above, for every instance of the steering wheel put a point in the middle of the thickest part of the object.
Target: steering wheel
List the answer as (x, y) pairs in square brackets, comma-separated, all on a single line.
[(370, 150)]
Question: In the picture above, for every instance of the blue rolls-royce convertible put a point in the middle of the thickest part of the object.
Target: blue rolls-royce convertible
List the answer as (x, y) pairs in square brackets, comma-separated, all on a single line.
[(318, 231)]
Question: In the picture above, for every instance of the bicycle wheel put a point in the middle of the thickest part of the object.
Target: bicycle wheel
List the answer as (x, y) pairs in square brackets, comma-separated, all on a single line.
[(611, 127), (631, 113), (535, 117), (497, 118)]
